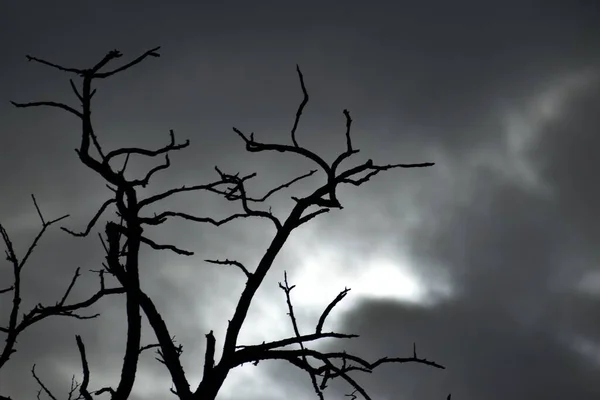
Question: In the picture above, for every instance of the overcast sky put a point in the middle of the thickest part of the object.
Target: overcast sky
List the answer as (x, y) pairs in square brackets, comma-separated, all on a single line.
[(488, 260)]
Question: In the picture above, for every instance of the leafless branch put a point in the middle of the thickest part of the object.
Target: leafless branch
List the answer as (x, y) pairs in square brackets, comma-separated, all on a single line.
[(48, 104), (301, 107), (375, 169), (68, 291), (171, 247), (328, 368), (8, 289), (39, 312), (74, 386), (148, 153), (270, 192), (296, 340), (234, 263), (75, 90), (209, 355), (56, 66), (287, 289), (240, 188), (93, 221), (37, 208), (312, 215), (255, 147), (144, 181), (150, 53), (329, 308), (85, 369), (42, 386), (349, 150), (161, 196), (123, 241), (149, 346), (163, 216)]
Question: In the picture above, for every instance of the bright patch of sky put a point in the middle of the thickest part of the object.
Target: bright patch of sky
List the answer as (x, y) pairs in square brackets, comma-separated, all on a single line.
[(325, 269)]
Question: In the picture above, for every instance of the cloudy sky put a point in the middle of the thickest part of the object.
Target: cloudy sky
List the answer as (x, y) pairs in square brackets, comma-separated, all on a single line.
[(488, 261)]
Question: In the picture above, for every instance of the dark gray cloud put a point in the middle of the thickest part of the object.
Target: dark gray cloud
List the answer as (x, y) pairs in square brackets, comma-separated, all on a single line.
[(502, 95)]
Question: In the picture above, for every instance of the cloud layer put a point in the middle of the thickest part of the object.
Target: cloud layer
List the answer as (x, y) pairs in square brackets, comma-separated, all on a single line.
[(498, 239)]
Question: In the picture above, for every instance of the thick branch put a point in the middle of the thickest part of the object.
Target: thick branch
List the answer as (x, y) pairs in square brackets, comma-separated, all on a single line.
[(209, 355), (83, 389), (169, 352)]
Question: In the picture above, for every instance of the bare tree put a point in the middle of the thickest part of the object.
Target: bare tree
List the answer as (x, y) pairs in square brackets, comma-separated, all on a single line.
[(124, 236)]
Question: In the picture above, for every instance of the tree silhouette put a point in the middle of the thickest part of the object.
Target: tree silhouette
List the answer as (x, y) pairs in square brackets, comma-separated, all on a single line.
[(123, 238)]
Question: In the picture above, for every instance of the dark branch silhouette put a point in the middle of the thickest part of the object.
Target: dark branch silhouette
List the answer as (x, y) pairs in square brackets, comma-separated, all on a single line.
[(16, 325), (123, 237)]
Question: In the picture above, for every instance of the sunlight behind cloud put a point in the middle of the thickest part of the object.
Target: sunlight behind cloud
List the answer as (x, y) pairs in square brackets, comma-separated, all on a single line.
[(326, 270), (324, 274)]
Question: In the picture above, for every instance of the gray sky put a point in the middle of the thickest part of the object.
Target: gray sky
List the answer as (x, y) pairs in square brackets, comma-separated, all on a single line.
[(488, 261)]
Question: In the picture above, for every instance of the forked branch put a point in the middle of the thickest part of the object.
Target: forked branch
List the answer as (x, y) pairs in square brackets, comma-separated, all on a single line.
[(324, 198), (15, 327), (333, 364), (124, 239)]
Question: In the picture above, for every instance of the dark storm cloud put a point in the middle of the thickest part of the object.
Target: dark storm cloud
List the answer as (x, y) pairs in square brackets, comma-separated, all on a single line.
[(415, 76), (489, 355), (517, 259)]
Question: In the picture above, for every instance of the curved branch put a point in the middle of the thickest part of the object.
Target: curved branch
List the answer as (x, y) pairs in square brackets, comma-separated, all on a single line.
[(145, 152), (150, 53), (156, 246), (93, 221), (301, 107), (234, 263), (256, 147), (83, 389), (49, 104), (329, 308)]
